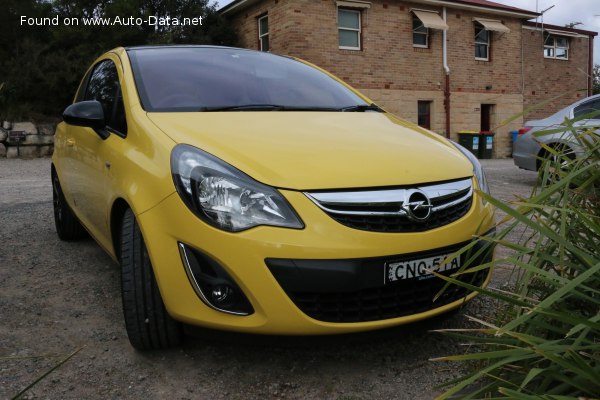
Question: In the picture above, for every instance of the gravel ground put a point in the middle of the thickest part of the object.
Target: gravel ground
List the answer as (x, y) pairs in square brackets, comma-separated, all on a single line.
[(59, 297)]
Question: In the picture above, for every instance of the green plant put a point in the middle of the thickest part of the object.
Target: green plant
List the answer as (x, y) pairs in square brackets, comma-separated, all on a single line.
[(545, 341)]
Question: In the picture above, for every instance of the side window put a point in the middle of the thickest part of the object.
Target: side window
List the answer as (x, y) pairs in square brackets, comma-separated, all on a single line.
[(587, 108), (349, 29), (104, 86), (482, 43), (263, 33)]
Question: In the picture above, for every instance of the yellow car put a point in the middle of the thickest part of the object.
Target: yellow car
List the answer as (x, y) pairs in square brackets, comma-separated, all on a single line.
[(246, 191)]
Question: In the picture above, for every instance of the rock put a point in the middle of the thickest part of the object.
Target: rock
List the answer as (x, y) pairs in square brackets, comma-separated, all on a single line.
[(11, 152), (46, 151), (6, 125), (2, 150), (3, 135), (38, 139), (46, 129), (27, 127)]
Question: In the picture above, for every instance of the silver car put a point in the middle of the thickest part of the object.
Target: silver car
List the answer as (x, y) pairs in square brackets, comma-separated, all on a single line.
[(528, 153)]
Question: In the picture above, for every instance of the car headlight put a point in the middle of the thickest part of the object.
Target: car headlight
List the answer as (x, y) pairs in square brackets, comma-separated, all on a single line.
[(225, 197), (477, 168)]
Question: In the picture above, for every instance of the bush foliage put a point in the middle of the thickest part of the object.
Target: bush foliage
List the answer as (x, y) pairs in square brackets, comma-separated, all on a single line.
[(545, 344), (41, 66)]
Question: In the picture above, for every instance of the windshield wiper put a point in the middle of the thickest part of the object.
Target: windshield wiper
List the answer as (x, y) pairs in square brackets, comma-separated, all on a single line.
[(245, 107), (362, 108), (265, 107)]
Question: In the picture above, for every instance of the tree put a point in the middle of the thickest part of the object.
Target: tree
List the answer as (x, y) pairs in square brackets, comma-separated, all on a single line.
[(41, 66)]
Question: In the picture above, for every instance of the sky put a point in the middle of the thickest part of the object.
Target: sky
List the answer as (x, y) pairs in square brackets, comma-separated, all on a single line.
[(564, 12)]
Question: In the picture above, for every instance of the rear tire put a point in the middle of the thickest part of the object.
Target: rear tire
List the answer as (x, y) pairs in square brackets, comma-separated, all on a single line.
[(148, 324), (67, 225), (557, 163)]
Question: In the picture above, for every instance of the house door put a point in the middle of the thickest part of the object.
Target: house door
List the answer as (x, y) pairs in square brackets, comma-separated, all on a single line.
[(487, 110)]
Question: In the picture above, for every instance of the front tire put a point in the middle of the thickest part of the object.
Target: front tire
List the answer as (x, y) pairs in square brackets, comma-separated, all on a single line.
[(148, 324), (67, 225)]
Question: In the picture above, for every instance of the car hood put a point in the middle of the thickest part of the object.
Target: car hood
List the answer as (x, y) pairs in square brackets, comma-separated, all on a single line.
[(319, 150)]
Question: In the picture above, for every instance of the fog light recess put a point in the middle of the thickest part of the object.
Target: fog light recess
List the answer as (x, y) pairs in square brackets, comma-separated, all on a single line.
[(213, 284)]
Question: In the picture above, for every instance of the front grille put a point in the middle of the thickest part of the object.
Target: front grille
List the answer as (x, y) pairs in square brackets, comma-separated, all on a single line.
[(388, 210), (402, 223), (389, 301)]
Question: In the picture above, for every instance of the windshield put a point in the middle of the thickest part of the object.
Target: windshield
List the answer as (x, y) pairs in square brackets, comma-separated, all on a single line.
[(224, 79)]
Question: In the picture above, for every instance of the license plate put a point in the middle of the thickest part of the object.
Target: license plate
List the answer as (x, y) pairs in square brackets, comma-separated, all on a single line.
[(420, 268)]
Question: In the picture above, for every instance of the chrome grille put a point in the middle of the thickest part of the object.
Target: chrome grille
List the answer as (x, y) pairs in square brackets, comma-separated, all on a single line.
[(393, 210)]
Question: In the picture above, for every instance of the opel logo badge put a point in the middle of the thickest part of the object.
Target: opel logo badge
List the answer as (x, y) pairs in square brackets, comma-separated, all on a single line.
[(417, 205)]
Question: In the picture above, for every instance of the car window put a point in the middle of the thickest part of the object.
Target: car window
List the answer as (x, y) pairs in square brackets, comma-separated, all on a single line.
[(587, 108), (193, 79), (104, 86)]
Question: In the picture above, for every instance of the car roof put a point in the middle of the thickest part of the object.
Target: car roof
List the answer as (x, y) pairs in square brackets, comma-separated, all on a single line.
[(174, 46), (560, 115)]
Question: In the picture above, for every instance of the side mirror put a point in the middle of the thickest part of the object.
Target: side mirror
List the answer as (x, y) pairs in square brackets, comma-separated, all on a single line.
[(87, 113)]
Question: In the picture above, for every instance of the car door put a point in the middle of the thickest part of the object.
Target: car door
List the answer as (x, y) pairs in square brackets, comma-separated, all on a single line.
[(89, 158), (589, 112)]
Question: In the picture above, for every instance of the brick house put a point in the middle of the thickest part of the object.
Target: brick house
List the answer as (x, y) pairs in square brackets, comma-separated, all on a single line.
[(448, 65)]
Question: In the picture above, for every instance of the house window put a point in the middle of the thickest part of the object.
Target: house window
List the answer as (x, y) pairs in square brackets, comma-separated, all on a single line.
[(556, 47), (482, 43), (420, 33), (424, 114), (263, 33), (349, 29)]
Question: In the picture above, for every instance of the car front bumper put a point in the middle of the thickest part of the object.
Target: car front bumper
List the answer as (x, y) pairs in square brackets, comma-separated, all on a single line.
[(526, 151), (256, 260)]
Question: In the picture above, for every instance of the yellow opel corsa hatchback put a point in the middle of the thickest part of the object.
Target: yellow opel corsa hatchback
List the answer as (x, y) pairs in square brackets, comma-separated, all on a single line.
[(247, 191)]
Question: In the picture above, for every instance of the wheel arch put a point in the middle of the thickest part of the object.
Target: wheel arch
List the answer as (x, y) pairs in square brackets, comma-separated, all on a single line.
[(117, 212), (553, 145)]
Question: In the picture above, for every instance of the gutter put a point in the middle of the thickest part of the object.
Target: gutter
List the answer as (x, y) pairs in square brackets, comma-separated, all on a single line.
[(232, 6), (456, 4), (238, 5), (447, 70)]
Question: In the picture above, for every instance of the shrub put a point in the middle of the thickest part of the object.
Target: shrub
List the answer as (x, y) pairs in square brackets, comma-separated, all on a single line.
[(545, 341)]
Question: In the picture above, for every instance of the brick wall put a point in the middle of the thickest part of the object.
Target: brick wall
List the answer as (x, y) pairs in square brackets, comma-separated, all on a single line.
[(546, 78), (397, 75)]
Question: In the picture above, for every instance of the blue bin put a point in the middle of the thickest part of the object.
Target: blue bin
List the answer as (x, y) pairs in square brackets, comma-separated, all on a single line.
[(515, 135)]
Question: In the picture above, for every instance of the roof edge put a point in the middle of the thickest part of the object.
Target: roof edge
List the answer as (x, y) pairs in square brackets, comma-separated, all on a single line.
[(235, 5), (560, 28), (239, 5), (500, 9)]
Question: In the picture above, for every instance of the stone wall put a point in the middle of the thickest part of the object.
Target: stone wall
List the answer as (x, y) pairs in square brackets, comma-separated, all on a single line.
[(37, 139)]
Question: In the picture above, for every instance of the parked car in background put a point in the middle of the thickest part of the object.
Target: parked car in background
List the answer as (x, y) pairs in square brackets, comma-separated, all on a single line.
[(527, 151), (247, 191)]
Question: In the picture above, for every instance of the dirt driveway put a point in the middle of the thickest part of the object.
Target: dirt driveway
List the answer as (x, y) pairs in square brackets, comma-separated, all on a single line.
[(58, 297)]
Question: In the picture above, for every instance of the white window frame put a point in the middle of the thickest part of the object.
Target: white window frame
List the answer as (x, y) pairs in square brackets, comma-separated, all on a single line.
[(262, 35), (414, 31), (358, 31), (555, 46), (488, 43)]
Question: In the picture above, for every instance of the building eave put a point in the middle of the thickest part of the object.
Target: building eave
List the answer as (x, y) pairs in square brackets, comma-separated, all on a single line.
[(239, 5), (236, 6), (538, 26), (465, 5)]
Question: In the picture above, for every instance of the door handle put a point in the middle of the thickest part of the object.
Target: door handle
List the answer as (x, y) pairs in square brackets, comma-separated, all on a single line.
[(70, 142)]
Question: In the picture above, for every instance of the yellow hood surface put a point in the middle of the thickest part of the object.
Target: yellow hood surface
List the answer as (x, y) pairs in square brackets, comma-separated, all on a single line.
[(319, 150)]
